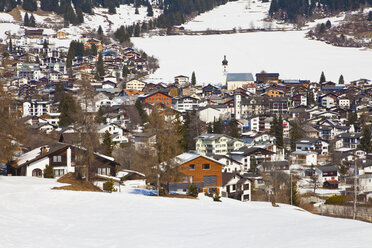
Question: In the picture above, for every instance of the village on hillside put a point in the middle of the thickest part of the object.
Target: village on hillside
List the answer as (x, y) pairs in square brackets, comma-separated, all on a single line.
[(91, 109)]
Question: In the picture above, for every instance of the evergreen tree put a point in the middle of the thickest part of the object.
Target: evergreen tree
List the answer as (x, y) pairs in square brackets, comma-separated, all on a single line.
[(365, 141), (353, 118), (341, 80), (108, 145), (111, 8), (193, 79), (295, 135), (310, 98), (45, 44), (100, 66), (253, 164), (137, 30), (26, 20), (279, 132), (233, 129), (217, 127), (125, 71), (295, 201), (100, 31), (274, 125), (68, 109), (32, 21), (136, 12), (141, 111), (10, 45), (49, 171), (322, 78), (100, 119), (369, 18), (328, 24), (150, 12), (29, 5)]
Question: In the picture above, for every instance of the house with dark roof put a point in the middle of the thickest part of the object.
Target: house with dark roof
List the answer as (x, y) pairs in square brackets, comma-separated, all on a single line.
[(236, 186), (64, 158)]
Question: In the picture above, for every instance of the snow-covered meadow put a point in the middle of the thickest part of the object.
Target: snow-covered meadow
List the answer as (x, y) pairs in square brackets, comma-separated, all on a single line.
[(33, 215), (288, 53), (238, 14)]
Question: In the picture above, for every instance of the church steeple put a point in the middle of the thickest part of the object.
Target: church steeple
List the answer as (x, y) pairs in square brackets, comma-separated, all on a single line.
[(224, 70), (224, 61)]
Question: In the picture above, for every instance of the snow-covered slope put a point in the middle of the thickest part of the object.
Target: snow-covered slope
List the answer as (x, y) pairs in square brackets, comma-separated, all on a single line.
[(32, 215), (238, 14)]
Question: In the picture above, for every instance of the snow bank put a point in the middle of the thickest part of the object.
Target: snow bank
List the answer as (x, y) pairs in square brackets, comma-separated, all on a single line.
[(40, 217)]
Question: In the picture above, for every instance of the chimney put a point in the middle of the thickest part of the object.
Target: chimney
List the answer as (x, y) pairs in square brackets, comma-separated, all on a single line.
[(43, 150)]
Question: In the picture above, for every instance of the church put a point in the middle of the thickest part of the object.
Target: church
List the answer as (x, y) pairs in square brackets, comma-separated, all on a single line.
[(233, 81)]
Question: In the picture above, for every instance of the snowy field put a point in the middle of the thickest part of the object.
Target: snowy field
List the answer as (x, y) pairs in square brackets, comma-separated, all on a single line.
[(32, 215), (239, 14), (287, 53)]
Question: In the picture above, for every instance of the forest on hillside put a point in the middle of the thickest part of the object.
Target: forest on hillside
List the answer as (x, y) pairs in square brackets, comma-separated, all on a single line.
[(292, 10)]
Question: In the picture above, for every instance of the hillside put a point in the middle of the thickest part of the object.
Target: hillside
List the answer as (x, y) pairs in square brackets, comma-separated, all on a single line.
[(45, 218)]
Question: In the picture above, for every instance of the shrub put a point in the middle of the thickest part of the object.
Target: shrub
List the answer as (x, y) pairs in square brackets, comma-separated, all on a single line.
[(192, 190), (337, 200), (216, 198), (109, 186), (49, 171)]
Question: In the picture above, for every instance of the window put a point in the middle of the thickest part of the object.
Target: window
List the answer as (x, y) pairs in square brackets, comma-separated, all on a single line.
[(206, 166), (59, 172), (209, 180), (104, 171), (192, 167), (191, 179), (234, 187), (57, 159)]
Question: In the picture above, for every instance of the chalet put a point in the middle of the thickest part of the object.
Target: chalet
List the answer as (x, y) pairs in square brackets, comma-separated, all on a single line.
[(236, 186), (135, 84), (211, 90), (278, 106), (217, 144), (182, 80), (212, 113), (312, 144), (304, 158), (64, 158), (184, 104), (327, 176), (267, 78), (202, 171), (157, 97), (34, 32)]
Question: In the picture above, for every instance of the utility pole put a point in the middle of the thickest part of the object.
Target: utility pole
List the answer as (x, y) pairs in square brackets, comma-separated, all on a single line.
[(355, 185), (291, 188)]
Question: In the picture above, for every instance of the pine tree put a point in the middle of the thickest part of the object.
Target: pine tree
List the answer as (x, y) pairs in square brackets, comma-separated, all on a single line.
[(353, 118), (26, 20), (45, 44), (322, 78), (369, 18), (341, 80), (365, 141), (100, 119), (68, 109), (108, 145), (295, 134), (10, 45), (328, 24), (100, 31), (279, 132), (253, 164), (294, 197), (49, 171), (234, 130), (137, 30), (125, 71), (217, 127), (136, 12), (193, 78), (32, 21), (310, 98), (150, 12), (274, 125), (100, 66)]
